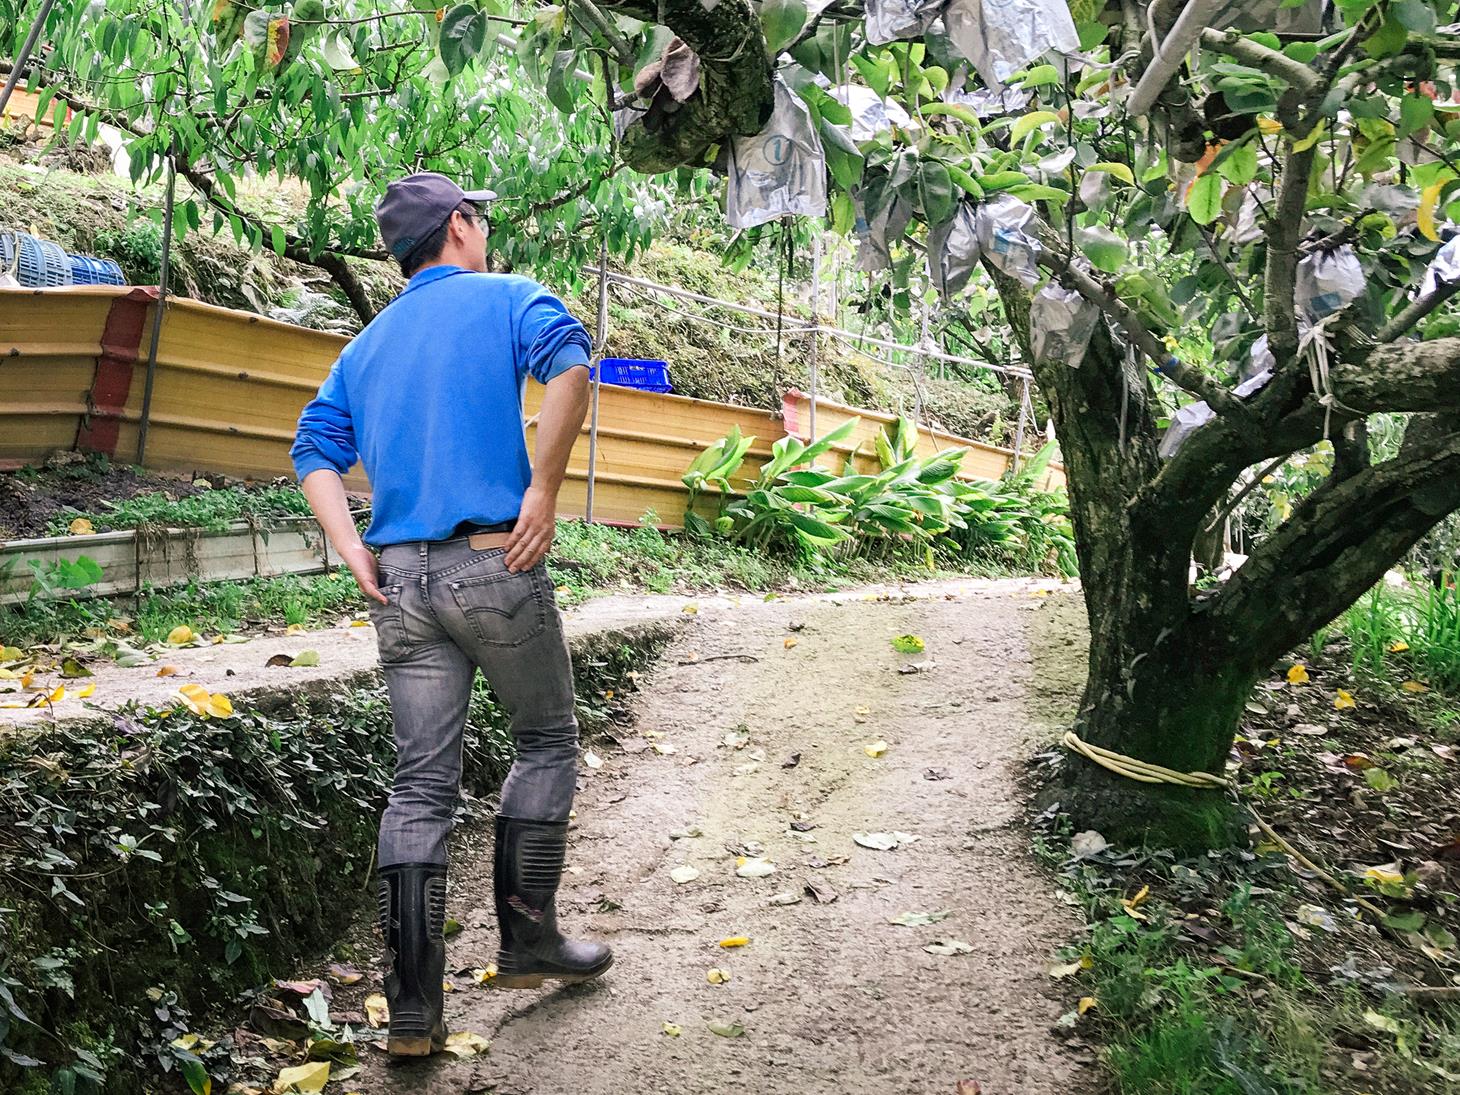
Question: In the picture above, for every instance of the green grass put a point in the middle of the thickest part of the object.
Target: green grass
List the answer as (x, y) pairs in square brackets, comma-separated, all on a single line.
[(1408, 631), (211, 510)]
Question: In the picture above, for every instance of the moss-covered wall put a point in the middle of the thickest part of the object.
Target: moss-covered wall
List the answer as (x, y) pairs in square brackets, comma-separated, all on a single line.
[(154, 864)]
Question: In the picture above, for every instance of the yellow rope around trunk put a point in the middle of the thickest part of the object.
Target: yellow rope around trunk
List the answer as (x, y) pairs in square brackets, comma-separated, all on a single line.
[(1142, 770), (1146, 772)]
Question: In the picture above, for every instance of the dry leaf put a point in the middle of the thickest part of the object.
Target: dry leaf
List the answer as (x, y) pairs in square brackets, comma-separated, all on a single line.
[(464, 1043), (735, 941), (86, 690), (1298, 674), (1414, 686), (181, 634), (482, 974), (377, 1012), (691, 609), (311, 1076), (875, 749), (919, 920), (754, 867), (81, 527), (948, 947), (592, 759), (717, 976), (344, 975), (167, 671), (789, 642), (1344, 700), (1399, 646), (671, 1029), (1085, 1004), (726, 1030), (681, 875)]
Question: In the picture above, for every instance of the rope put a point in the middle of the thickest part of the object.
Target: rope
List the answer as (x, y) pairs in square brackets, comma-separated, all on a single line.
[(1141, 770), (1314, 343)]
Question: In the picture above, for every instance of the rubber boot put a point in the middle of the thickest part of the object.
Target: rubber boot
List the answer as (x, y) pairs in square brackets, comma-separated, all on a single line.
[(529, 867), (413, 918)]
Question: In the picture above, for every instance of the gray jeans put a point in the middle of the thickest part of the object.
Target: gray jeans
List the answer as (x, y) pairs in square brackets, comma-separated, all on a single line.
[(451, 611)]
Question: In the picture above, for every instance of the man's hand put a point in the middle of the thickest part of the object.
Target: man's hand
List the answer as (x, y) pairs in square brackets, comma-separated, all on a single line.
[(533, 534), (361, 561)]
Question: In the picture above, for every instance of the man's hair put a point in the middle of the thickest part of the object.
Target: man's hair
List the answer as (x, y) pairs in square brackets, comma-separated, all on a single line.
[(430, 248)]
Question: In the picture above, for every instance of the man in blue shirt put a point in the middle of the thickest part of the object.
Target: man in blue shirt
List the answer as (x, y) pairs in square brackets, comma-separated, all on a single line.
[(429, 399)]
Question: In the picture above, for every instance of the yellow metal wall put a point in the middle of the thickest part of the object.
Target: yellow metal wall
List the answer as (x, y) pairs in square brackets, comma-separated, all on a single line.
[(230, 385)]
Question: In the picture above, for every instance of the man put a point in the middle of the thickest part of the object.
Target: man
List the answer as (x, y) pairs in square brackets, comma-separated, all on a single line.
[(429, 397)]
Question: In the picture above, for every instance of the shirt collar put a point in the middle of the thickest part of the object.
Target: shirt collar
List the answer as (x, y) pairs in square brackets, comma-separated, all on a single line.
[(431, 274)]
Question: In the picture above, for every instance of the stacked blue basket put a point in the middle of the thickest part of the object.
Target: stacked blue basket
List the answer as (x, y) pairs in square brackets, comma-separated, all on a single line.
[(643, 374), (86, 270), (36, 263)]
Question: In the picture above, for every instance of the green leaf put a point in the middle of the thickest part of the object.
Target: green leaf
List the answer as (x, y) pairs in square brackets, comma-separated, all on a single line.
[(276, 238), (1105, 250), (1415, 112), (561, 84), (843, 157), (1039, 76), (1028, 123), (198, 1080), (935, 191), (1204, 199), (781, 20), (878, 72), (1239, 165), (1119, 170), (463, 33)]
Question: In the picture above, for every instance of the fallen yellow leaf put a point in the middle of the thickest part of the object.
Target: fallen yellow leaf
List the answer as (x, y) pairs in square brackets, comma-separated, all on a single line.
[(167, 671), (1298, 674), (1429, 197), (1085, 1004), (181, 634), (465, 1043), (717, 976), (86, 690), (1344, 700), (671, 1029), (691, 609), (377, 1011), (790, 642), (1414, 686), (484, 974), (308, 1077), (219, 706), (1384, 875), (735, 941), (81, 527), (875, 749), (1398, 646), (295, 629)]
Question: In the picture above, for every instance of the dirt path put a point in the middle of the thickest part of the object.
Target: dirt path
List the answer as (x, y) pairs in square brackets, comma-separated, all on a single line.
[(832, 997)]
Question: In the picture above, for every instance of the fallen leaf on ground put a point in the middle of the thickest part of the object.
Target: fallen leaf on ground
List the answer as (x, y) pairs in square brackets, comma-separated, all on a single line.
[(1384, 875), (1310, 730), (1132, 904), (1408, 686), (735, 941), (592, 759), (726, 1030), (691, 609), (377, 1011), (968, 1087), (908, 644), (450, 927), (875, 749), (344, 975), (754, 867), (465, 1043), (85, 690), (736, 739), (681, 875), (664, 748), (1085, 1004), (789, 642), (81, 527), (1382, 1022), (305, 659), (181, 634), (1316, 916), (716, 976), (1344, 700), (948, 947), (295, 629), (482, 974), (167, 671), (306, 1077), (1298, 674), (786, 897), (71, 669), (671, 1029), (1399, 646), (791, 761), (918, 920), (821, 893)]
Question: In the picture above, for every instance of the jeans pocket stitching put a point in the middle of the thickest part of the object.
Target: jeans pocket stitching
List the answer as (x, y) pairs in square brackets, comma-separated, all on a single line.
[(389, 615), (472, 614)]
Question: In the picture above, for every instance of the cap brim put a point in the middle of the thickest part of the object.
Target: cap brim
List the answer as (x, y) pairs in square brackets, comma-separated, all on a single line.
[(480, 195)]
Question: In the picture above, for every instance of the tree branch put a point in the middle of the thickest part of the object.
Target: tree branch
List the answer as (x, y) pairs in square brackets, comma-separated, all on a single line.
[(601, 23), (1256, 55), (1281, 275), (1415, 311)]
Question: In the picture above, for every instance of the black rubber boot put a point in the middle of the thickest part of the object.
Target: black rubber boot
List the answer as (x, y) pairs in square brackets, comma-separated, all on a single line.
[(413, 918), (529, 866)]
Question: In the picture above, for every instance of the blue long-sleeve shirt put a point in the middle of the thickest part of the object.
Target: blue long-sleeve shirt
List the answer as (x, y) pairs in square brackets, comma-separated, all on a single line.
[(429, 396)]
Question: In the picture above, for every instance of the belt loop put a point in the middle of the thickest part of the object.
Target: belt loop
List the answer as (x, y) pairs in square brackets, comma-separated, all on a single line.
[(425, 562)]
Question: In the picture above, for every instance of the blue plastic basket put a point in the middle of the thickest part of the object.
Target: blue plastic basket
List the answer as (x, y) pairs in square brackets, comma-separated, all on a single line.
[(629, 372), (40, 264), (87, 270)]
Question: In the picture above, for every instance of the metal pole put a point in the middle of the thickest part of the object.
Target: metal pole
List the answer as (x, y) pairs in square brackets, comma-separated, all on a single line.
[(600, 344), (1023, 417), (815, 320), (24, 56), (161, 311), (922, 359)]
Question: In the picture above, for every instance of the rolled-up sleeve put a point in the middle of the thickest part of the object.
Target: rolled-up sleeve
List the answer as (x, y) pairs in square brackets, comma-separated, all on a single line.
[(550, 341), (325, 437)]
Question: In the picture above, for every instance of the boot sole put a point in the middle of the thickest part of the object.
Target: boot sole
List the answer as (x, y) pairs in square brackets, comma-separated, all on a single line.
[(411, 1047), (535, 980)]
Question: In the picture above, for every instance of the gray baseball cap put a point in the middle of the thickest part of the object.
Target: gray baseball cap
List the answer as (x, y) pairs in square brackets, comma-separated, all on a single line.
[(414, 207)]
